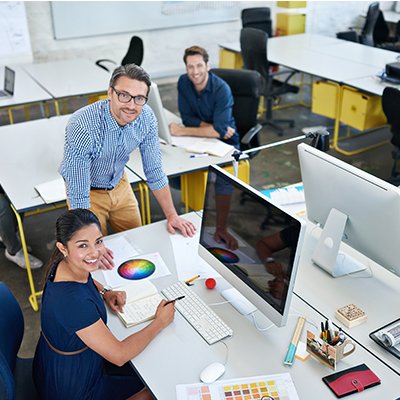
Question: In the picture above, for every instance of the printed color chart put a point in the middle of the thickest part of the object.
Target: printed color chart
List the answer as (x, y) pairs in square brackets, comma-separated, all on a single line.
[(272, 387)]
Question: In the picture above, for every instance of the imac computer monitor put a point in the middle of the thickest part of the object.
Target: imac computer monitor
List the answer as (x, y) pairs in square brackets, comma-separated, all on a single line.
[(351, 206), (155, 103), (259, 263)]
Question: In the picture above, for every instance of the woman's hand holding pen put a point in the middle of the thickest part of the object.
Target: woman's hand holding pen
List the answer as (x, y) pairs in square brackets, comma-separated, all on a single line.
[(165, 313), (115, 299)]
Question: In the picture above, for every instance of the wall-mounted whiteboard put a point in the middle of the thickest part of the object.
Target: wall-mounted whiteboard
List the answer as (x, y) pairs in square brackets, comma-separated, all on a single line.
[(15, 44), (73, 19)]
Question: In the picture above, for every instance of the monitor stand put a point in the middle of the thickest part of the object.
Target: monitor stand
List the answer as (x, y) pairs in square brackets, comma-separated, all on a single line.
[(238, 301), (327, 255)]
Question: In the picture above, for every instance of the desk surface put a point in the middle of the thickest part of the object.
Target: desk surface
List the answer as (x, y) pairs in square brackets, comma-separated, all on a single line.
[(69, 78), (179, 354), (31, 153), (378, 296), (327, 57), (26, 90), (176, 161)]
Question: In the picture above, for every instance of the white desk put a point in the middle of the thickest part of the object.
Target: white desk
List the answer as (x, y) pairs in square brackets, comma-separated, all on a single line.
[(26, 91), (391, 16), (69, 78), (334, 59), (378, 296), (30, 154), (177, 162), (178, 354)]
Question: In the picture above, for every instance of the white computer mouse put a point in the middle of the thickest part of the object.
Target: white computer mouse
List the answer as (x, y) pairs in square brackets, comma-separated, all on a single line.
[(212, 372)]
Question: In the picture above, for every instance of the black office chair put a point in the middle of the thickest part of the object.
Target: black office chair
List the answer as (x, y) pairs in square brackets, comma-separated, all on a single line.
[(258, 18), (16, 382), (246, 89), (134, 55), (253, 44), (382, 36), (390, 105), (367, 33)]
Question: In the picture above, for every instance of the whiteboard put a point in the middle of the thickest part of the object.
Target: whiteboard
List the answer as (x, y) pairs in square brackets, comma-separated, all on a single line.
[(81, 18), (15, 44)]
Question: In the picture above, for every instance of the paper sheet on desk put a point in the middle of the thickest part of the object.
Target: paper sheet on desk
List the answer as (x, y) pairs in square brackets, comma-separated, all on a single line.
[(52, 191), (214, 147), (187, 260), (151, 266)]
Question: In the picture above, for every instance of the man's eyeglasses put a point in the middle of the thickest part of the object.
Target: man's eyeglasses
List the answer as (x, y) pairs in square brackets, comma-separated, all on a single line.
[(126, 97)]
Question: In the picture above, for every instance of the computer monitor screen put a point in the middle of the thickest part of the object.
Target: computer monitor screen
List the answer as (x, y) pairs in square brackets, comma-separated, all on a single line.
[(155, 103), (255, 246), (351, 206), (9, 80)]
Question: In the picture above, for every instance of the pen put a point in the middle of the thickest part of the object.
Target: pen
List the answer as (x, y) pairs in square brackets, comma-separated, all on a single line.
[(171, 301), (289, 358), (192, 279), (198, 155)]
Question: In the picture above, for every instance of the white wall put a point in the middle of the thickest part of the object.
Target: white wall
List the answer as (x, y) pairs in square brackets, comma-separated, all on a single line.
[(164, 48)]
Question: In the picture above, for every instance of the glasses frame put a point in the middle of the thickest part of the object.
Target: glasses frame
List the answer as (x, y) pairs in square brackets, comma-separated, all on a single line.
[(134, 98)]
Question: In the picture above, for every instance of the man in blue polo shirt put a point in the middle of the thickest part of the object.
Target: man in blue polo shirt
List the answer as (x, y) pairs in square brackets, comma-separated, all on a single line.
[(205, 101)]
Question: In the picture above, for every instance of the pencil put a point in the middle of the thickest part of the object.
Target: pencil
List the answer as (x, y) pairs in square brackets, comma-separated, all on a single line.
[(289, 358), (192, 279)]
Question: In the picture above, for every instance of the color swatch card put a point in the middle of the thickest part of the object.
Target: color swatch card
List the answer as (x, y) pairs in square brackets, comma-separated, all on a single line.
[(135, 268), (278, 386)]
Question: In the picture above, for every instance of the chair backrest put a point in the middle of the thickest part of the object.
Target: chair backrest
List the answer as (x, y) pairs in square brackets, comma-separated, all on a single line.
[(367, 33), (253, 46), (11, 333), (135, 52), (246, 89), (390, 106), (381, 30), (258, 18)]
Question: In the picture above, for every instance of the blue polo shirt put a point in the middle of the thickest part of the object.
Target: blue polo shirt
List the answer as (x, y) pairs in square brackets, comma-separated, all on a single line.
[(212, 105)]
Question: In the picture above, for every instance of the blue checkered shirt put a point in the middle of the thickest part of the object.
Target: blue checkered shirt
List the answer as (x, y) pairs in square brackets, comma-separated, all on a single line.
[(97, 149)]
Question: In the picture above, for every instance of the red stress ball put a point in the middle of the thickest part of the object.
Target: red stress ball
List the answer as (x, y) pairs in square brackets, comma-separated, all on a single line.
[(210, 283)]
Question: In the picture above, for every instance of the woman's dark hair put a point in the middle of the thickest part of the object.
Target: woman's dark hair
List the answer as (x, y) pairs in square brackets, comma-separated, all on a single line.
[(66, 226)]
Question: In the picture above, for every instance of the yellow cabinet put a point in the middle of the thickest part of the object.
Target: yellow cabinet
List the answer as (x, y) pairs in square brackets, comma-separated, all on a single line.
[(325, 98), (230, 59), (290, 24), (291, 4), (197, 181), (361, 110)]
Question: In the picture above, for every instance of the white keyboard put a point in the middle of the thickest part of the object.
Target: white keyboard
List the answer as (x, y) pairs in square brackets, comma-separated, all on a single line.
[(204, 320)]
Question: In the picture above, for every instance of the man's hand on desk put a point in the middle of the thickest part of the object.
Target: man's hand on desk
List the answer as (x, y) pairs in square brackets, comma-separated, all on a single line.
[(229, 133), (175, 129), (184, 226), (107, 260)]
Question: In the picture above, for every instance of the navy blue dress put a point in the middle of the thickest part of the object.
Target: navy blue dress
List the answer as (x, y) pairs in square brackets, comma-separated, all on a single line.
[(68, 307)]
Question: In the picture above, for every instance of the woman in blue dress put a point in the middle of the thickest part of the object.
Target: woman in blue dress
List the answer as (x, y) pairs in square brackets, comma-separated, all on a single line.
[(76, 352)]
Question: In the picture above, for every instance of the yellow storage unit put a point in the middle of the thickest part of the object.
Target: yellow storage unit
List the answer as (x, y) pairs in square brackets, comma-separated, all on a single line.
[(290, 24), (230, 59), (361, 110), (325, 98), (197, 181), (291, 4)]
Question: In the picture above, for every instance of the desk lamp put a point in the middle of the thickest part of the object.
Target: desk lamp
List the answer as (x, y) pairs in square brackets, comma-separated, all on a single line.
[(319, 136)]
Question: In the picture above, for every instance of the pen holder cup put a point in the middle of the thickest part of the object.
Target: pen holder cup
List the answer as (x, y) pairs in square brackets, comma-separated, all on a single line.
[(328, 354)]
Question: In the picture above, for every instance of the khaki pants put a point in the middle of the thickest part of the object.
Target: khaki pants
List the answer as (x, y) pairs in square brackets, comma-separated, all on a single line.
[(118, 207)]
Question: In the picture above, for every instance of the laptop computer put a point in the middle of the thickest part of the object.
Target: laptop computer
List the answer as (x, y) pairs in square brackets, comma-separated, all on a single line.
[(164, 117), (9, 82)]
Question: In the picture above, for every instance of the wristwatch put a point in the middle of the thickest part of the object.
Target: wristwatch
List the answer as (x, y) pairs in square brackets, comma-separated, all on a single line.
[(104, 290), (269, 260)]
